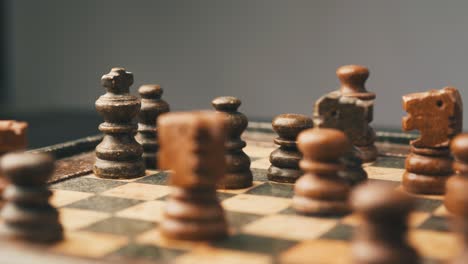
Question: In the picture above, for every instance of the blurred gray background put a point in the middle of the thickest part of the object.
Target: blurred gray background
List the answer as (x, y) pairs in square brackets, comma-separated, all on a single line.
[(277, 56)]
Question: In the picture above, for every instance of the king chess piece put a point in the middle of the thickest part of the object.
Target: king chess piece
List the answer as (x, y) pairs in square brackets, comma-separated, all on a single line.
[(437, 114), (118, 156), (353, 78), (152, 106)]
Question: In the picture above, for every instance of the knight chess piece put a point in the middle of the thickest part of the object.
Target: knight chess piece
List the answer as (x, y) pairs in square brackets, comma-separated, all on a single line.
[(152, 106), (381, 237), (353, 78), (193, 211), (285, 159), (12, 138), (321, 191), (437, 114), (238, 174), (456, 197), (349, 115), (27, 214), (118, 156)]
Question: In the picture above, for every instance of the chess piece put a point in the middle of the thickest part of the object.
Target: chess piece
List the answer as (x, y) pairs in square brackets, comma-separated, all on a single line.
[(353, 78), (192, 147), (285, 159), (238, 174), (12, 138), (381, 237), (456, 197), (437, 114), (321, 191), (151, 107), (118, 156), (349, 115), (27, 214)]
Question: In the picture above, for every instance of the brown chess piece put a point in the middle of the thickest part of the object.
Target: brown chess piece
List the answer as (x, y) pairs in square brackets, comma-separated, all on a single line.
[(12, 138), (437, 114), (27, 214), (456, 196), (321, 191), (238, 174), (353, 78), (381, 237), (349, 115), (285, 159), (192, 147), (119, 154), (152, 106)]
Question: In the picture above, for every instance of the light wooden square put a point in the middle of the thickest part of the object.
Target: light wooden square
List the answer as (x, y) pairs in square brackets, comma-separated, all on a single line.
[(154, 237), (257, 151), (139, 191), (208, 255), (442, 211), (256, 204), (73, 219), (261, 164), (382, 173), (149, 211), (434, 244), (318, 251), (88, 244), (290, 227), (63, 197), (239, 191)]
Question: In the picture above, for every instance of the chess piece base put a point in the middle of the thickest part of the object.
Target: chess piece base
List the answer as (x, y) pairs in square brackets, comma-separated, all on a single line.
[(308, 206), (283, 175), (237, 180), (424, 184), (368, 153), (119, 169), (371, 252)]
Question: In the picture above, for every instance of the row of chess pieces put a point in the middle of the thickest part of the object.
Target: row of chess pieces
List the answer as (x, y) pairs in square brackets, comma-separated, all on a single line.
[(322, 155)]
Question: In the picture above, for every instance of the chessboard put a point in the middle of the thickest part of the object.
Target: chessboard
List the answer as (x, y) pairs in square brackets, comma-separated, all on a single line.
[(116, 221)]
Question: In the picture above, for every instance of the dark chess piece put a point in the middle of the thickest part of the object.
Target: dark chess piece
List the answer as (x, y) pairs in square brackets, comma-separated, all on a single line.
[(27, 214), (349, 115), (119, 154), (152, 106), (456, 196), (238, 174), (353, 78), (321, 191), (437, 114), (285, 159), (192, 147), (381, 237), (12, 138)]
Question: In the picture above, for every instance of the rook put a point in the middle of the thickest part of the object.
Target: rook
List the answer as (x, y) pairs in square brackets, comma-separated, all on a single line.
[(192, 146)]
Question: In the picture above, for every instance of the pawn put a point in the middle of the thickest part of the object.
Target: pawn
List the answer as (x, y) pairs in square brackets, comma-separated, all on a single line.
[(381, 237), (27, 214), (285, 159), (353, 78), (456, 196), (321, 191), (152, 106), (118, 156), (238, 174)]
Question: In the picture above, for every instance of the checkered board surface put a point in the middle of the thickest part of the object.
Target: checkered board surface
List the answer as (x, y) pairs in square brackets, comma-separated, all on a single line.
[(118, 220)]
